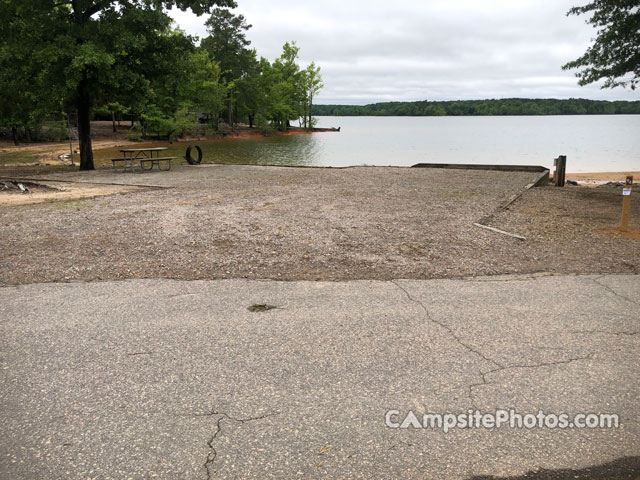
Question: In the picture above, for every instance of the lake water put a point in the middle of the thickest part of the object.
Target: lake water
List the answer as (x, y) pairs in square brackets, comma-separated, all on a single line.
[(591, 143)]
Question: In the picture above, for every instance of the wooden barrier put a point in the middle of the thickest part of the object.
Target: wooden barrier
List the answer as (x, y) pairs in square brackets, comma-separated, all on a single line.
[(559, 175)]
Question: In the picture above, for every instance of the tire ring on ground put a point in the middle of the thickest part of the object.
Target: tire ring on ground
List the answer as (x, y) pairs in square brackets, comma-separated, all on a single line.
[(190, 159)]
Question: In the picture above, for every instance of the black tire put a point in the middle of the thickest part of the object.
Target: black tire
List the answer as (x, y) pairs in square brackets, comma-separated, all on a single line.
[(190, 159)]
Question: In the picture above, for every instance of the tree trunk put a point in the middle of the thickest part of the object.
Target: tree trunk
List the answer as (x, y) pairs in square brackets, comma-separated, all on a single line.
[(230, 114), (310, 110), (250, 121), (84, 126), (14, 134), (113, 121), (27, 132)]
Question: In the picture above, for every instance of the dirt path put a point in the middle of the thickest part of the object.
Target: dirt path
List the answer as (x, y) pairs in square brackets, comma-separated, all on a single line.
[(48, 153)]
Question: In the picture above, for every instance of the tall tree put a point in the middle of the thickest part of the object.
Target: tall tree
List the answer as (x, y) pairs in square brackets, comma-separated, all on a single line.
[(287, 90), (248, 89), (227, 44), (203, 88), (615, 54), (313, 84), (28, 74), (94, 50)]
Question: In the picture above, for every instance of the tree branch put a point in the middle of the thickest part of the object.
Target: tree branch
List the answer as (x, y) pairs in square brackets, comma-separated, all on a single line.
[(95, 9)]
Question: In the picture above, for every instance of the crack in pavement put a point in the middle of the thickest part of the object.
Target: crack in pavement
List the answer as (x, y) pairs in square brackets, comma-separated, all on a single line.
[(511, 278), (611, 290), (177, 295), (213, 453), (446, 327), (605, 332), (483, 375), (500, 367)]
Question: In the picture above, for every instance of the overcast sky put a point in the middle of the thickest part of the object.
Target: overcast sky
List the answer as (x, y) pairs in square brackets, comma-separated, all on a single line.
[(373, 51)]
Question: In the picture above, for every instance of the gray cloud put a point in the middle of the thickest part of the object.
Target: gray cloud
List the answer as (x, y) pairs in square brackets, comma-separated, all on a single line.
[(434, 49)]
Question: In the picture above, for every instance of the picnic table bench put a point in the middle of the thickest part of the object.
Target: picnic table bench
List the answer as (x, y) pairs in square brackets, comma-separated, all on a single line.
[(144, 156)]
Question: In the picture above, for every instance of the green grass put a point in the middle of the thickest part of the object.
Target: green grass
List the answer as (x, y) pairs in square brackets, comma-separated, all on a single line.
[(19, 158), (70, 203)]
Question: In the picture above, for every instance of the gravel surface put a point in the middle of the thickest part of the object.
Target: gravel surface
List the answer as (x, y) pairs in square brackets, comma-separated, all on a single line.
[(312, 224), (572, 230)]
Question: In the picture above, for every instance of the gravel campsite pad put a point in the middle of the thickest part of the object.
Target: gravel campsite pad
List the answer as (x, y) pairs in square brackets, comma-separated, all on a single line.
[(228, 221)]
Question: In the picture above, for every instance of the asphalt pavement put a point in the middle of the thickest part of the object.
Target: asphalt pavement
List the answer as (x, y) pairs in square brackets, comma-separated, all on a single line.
[(183, 380)]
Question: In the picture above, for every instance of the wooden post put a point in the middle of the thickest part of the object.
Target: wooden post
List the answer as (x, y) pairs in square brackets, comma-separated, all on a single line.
[(626, 204), (561, 170)]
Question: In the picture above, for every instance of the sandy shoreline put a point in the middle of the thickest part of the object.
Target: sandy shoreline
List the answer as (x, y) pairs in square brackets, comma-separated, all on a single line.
[(601, 177)]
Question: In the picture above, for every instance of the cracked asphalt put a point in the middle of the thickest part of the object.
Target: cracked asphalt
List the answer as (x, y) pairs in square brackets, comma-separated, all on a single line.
[(179, 380)]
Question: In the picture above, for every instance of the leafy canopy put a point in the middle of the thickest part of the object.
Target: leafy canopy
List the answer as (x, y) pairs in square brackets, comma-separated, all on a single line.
[(615, 54)]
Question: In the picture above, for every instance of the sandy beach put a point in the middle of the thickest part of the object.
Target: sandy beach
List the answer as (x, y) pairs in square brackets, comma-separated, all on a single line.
[(602, 177)]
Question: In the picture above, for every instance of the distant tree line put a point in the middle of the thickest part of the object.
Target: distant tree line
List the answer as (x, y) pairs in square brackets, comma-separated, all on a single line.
[(506, 106)]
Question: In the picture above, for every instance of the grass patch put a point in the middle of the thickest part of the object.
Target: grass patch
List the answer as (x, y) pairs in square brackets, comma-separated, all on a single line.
[(69, 202), (20, 158)]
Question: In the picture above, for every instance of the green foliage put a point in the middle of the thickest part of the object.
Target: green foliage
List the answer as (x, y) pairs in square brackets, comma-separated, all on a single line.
[(259, 92), (79, 54), (285, 91), (157, 122), (312, 84), (615, 53), (506, 106), (29, 60), (227, 42), (134, 136), (203, 86), (54, 131), (248, 89), (123, 56)]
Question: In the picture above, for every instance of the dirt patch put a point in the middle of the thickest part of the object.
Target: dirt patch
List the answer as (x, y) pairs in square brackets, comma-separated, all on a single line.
[(629, 233), (56, 192), (314, 224), (49, 154), (565, 230)]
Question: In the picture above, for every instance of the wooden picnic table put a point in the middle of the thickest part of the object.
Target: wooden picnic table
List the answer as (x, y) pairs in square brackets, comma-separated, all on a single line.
[(143, 156)]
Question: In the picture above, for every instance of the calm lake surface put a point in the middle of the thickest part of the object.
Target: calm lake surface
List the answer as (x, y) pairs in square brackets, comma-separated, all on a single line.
[(592, 143)]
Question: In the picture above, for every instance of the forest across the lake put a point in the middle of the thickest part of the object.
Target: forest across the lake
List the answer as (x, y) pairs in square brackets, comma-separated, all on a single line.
[(504, 106)]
